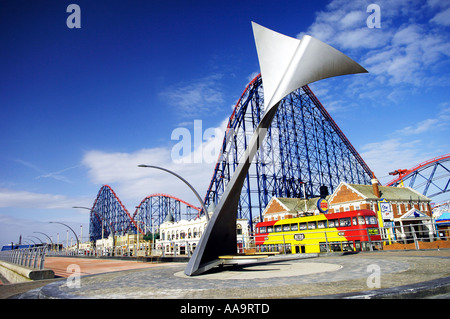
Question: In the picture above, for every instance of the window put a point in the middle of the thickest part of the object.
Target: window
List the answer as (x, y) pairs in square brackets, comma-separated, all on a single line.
[(270, 229), (294, 227), (322, 224), (333, 223), (354, 221), (263, 230), (345, 222), (278, 228), (312, 225), (238, 230), (287, 227), (302, 226), (361, 220), (371, 220)]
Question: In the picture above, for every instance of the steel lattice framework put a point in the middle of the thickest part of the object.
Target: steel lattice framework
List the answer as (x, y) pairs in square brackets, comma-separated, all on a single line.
[(303, 146), (153, 210), (304, 150), (431, 178), (150, 213), (108, 214)]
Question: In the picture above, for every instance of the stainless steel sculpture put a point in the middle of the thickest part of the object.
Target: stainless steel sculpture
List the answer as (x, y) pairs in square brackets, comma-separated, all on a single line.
[(286, 65)]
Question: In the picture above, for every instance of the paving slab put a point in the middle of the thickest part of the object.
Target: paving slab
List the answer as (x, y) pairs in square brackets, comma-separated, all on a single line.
[(341, 276)]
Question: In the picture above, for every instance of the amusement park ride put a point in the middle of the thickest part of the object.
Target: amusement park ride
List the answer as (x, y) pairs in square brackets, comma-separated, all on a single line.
[(280, 127)]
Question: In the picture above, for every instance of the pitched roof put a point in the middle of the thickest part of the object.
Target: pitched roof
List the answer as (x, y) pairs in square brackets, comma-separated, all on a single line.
[(390, 193), (298, 204)]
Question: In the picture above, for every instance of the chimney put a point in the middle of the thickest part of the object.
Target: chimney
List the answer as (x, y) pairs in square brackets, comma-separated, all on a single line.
[(376, 189)]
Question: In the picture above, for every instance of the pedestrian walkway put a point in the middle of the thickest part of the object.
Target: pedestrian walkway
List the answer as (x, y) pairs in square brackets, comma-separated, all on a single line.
[(349, 276), (63, 266)]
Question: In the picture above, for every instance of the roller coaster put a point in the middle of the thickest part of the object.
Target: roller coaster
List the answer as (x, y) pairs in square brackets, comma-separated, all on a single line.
[(431, 178), (303, 155), (109, 215)]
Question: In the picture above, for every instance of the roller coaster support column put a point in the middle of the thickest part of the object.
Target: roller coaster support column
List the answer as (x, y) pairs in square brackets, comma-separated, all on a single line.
[(286, 65)]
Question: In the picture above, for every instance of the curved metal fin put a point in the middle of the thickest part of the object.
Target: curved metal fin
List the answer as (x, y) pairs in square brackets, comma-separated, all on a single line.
[(287, 63)]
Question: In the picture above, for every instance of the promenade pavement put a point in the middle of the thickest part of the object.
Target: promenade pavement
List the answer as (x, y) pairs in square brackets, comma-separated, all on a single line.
[(63, 268), (383, 274)]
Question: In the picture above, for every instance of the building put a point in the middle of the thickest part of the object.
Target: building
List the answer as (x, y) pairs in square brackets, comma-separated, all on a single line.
[(401, 209), (283, 208), (402, 212), (181, 237)]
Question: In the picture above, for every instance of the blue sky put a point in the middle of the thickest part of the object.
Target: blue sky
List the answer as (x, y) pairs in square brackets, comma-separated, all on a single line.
[(83, 107)]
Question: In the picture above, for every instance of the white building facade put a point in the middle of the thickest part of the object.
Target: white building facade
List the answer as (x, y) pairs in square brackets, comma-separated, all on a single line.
[(181, 238)]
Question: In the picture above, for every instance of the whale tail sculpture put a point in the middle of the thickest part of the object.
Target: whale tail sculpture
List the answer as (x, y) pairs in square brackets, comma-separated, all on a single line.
[(286, 64)]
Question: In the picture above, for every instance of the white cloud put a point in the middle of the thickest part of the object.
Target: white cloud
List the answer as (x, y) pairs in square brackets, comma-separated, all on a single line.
[(438, 124), (391, 154), (442, 18), (401, 52), (132, 183), (195, 97), (25, 199), (420, 127), (406, 148)]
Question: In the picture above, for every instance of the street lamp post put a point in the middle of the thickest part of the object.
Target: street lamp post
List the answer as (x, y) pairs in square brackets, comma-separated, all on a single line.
[(186, 182), (78, 242), (112, 229), (37, 238), (38, 232)]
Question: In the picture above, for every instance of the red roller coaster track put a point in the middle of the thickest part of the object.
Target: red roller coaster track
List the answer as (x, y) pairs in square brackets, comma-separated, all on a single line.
[(404, 174)]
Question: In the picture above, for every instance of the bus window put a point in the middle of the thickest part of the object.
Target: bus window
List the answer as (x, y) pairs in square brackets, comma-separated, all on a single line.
[(294, 227), (302, 226), (361, 220), (257, 230), (312, 225), (333, 223), (263, 230), (287, 227), (355, 222), (371, 220), (345, 222), (278, 228), (347, 246), (270, 229), (322, 224)]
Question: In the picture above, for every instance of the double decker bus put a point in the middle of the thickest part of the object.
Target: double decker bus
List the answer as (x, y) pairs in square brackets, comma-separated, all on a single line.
[(346, 231)]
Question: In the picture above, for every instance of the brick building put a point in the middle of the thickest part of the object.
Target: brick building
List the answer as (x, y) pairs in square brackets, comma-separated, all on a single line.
[(401, 210), (401, 199)]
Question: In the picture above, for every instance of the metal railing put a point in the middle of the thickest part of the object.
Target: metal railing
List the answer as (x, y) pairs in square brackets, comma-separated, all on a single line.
[(368, 239), (410, 236), (33, 257)]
